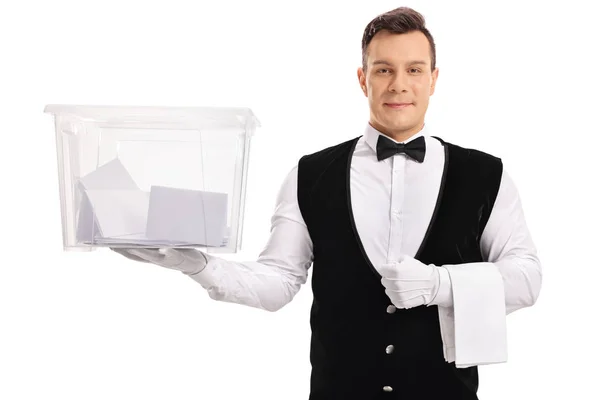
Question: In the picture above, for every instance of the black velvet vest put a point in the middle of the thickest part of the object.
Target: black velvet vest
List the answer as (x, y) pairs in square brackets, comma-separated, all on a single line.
[(361, 348)]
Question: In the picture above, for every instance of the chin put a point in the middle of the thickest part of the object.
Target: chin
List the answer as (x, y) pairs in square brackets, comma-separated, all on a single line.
[(401, 124)]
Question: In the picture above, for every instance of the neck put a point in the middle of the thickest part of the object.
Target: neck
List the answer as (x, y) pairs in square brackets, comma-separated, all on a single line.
[(399, 135)]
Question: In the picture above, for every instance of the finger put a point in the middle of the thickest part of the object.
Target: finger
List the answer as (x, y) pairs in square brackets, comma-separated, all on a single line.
[(169, 257), (389, 270), (192, 255), (150, 255), (415, 302), (386, 283), (392, 284), (125, 253), (392, 295), (401, 301), (171, 253)]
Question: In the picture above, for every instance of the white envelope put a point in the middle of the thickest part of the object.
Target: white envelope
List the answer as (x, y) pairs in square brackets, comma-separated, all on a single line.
[(87, 226), (111, 204), (115, 211), (119, 212), (185, 215), (109, 176)]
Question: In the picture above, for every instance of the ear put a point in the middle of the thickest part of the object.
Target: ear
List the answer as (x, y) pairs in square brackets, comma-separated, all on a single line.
[(434, 77), (362, 80)]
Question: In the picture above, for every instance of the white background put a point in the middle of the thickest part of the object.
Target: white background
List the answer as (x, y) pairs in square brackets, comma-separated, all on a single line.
[(517, 79)]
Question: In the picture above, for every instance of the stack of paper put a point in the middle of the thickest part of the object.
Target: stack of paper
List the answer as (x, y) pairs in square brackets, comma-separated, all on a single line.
[(115, 211)]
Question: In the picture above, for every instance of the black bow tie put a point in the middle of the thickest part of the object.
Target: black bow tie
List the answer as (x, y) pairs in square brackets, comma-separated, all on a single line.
[(414, 149)]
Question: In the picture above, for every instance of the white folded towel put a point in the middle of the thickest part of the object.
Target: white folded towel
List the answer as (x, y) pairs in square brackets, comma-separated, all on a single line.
[(474, 328)]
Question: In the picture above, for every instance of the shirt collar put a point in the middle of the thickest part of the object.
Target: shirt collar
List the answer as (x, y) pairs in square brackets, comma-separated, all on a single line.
[(372, 135)]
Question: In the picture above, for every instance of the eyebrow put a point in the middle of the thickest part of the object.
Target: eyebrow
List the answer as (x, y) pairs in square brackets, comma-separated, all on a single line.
[(413, 62)]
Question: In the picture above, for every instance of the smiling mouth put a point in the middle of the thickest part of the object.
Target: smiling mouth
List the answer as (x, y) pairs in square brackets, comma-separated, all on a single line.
[(398, 106)]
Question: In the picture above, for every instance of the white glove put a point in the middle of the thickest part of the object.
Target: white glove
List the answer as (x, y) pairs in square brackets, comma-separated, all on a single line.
[(188, 261), (410, 283)]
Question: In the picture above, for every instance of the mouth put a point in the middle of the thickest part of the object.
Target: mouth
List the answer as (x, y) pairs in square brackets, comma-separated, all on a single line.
[(397, 106)]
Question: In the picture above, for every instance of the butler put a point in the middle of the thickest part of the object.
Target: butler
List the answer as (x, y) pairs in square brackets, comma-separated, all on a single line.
[(419, 247)]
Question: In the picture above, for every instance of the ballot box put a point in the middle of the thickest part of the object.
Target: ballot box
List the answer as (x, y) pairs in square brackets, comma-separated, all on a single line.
[(152, 177)]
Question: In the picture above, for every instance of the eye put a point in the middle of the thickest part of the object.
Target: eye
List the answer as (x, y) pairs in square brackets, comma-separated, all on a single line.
[(415, 69), (379, 71)]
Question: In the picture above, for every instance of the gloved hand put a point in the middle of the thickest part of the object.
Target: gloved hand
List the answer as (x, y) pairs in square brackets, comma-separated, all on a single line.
[(188, 261), (410, 283)]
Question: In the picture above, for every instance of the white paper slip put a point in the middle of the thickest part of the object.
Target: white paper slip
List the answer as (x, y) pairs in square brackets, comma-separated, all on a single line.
[(119, 212), (87, 227), (110, 203), (110, 176), (185, 215)]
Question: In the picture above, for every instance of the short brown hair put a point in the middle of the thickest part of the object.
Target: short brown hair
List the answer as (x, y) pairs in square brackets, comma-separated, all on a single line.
[(398, 20)]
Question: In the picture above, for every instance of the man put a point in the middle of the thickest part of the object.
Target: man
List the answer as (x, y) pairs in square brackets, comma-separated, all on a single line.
[(419, 247)]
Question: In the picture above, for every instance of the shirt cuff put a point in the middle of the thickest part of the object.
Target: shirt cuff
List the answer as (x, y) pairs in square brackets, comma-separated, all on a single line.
[(206, 276), (444, 295)]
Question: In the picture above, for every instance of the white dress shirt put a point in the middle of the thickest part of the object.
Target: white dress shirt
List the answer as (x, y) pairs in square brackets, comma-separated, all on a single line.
[(393, 202)]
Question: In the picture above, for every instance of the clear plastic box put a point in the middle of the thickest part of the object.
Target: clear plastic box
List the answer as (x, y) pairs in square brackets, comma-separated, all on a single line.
[(152, 176)]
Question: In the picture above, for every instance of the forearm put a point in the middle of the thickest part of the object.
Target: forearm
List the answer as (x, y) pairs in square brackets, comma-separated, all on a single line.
[(522, 279), (272, 281), (520, 276), (251, 283)]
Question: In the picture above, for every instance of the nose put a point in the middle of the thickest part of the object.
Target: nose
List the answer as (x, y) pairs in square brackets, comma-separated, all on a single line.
[(398, 83)]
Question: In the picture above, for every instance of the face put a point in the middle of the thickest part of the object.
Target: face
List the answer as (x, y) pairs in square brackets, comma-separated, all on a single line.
[(398, 82)]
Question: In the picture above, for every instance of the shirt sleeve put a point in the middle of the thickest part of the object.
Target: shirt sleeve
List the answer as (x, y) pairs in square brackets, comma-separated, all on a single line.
[(482, 294), (272, 281), (507, 243)]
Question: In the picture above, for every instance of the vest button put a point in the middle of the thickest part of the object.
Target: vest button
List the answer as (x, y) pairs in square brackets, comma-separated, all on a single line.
[(387, 389), (389, 349), (391, 309)]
